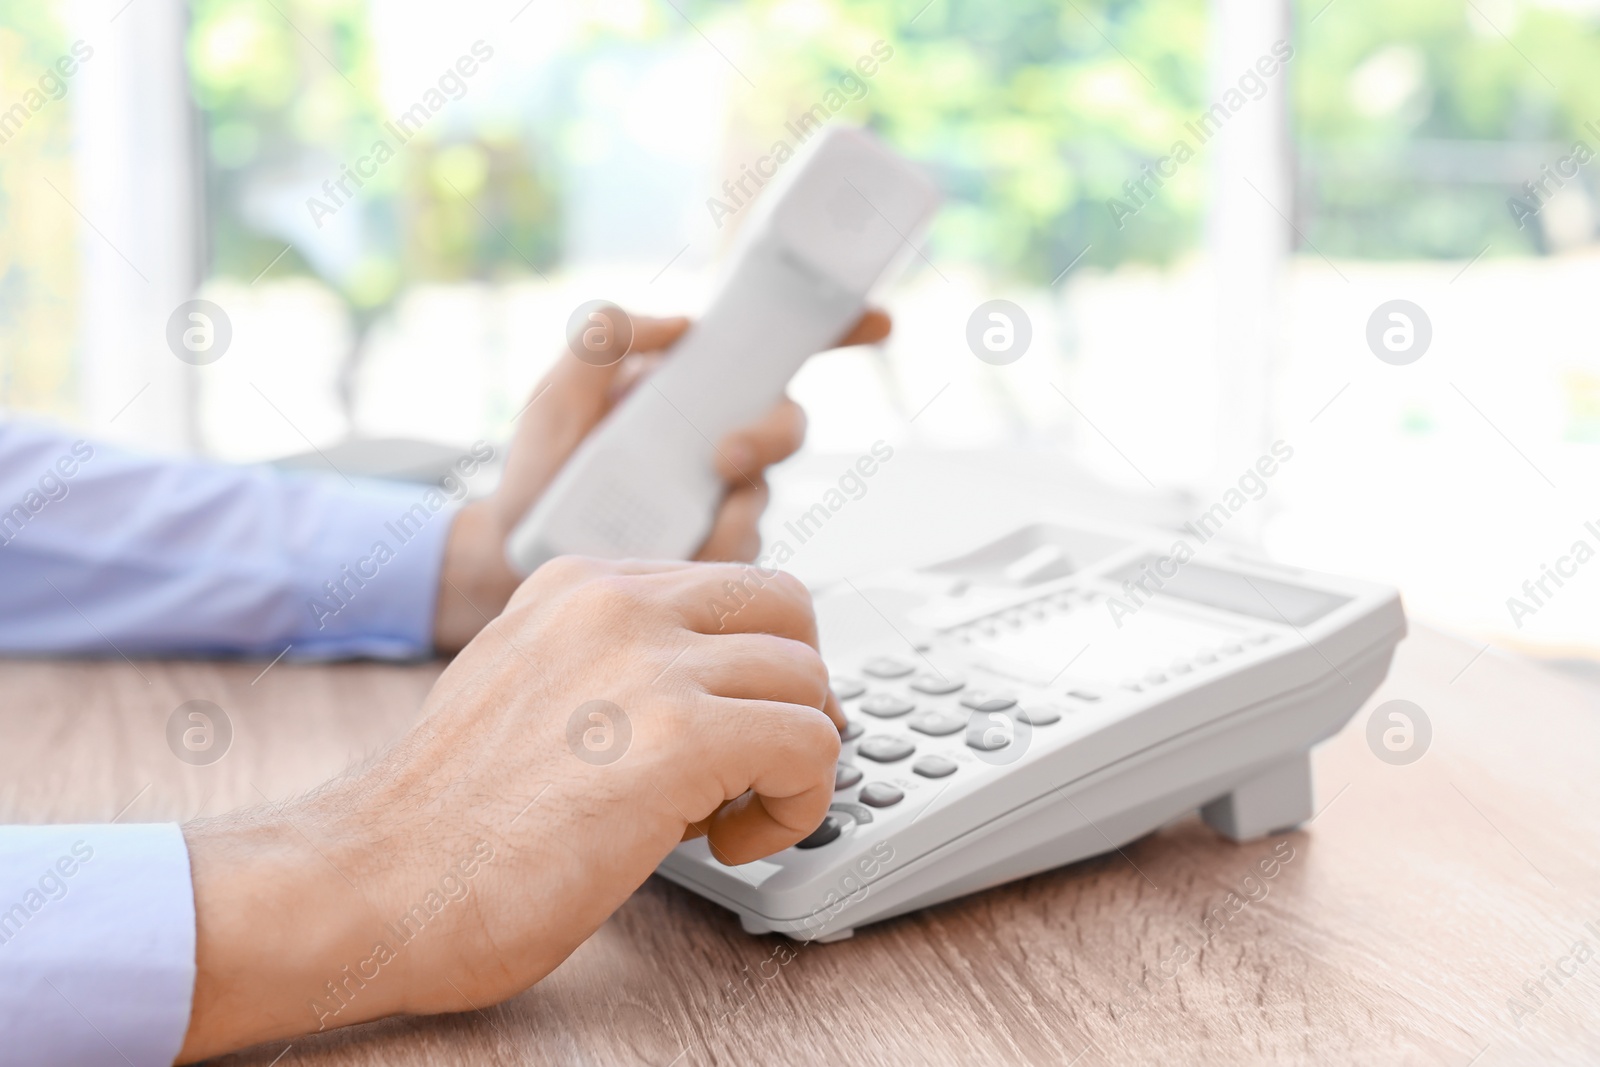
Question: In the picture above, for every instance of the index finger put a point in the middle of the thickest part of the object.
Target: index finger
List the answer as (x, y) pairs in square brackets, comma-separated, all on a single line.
[(747, 598)]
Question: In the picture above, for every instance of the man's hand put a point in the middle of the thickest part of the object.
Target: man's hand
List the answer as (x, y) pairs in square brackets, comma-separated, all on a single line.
[(612, 711), (567, 404)]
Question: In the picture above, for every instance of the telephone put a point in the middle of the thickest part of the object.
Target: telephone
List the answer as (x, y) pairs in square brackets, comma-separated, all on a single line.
[(1051, 696)]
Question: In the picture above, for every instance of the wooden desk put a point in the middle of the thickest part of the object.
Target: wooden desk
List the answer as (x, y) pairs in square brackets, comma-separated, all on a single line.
[(1419, 899)]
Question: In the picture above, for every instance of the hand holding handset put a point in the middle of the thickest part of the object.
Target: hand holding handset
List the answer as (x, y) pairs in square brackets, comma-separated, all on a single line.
[(644, 483)]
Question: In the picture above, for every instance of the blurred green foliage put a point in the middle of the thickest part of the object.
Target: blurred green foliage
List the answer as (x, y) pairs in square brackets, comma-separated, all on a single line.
[(39, 294), (1416, 121), (1033, 112), (288, 94), (273, 92)]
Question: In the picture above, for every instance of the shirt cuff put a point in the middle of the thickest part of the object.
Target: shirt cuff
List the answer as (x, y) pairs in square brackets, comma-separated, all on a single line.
[(97, 942)]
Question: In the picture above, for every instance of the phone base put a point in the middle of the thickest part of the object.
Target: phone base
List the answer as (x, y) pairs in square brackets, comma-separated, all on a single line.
[(1279, 798)]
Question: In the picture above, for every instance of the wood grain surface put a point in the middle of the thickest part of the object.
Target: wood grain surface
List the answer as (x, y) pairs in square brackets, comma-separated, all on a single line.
[(1413, 909)]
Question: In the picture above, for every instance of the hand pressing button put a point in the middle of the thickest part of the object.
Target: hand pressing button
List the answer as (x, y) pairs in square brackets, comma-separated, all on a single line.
[(832, 826)]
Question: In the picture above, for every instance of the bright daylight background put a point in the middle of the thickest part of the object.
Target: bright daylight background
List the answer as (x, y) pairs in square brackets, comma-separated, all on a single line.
[(1229, 311)]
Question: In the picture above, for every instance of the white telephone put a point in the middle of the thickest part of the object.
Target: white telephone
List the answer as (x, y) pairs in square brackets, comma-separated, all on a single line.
[(644, 483), (1051, 696)]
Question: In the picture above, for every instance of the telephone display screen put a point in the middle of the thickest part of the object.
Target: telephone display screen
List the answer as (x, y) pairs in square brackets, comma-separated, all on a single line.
[(1089, 645), (1242, 594)]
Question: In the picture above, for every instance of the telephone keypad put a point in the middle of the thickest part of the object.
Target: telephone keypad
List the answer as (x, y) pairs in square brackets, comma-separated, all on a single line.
[(881, 795), (1038, 714), (934, 767), (938, 723), (832, 826), (886, 705), (855, 812), (884, 748), (930, 704), (937, 684), (847, 688), (985, 700), (985, 735), (888, 667)]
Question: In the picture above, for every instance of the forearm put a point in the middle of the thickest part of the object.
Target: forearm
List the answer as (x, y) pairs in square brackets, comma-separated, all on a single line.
[(328, 912), (142, 554), (281, 912)]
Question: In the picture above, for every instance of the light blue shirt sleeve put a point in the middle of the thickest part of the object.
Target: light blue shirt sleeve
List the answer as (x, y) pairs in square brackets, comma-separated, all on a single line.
[(105, 551), (97, 942)]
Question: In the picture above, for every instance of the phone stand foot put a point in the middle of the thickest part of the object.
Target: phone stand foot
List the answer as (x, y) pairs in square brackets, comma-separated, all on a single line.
[(1276, 799)]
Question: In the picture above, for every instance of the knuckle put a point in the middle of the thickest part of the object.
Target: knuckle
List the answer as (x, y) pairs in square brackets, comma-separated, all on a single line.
[(796, 671), (740, 581), (809, 672), (791, 587), (813, 669), (617, 595), (566, 570), (820, 737)]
